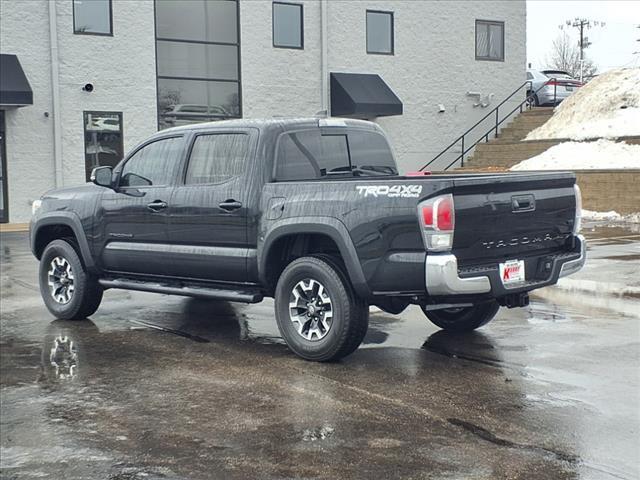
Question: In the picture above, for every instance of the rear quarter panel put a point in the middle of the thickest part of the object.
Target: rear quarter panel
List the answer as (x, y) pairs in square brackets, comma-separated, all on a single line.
[(378, 214)]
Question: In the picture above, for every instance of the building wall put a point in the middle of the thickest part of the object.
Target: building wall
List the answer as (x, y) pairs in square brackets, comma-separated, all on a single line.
[(121, 68), (279, 81), (29, 134), (434, 63)]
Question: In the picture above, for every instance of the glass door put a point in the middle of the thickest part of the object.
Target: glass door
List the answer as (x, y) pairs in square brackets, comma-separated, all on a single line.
[(4, 213)]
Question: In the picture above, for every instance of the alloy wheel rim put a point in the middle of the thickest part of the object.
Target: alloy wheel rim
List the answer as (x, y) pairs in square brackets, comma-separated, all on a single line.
[(311, 309), (60, 279)]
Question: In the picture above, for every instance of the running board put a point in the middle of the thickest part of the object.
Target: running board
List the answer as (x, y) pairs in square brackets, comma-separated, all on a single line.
[(231, 294)]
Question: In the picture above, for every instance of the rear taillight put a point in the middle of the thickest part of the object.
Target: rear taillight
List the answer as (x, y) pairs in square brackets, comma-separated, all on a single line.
[(437, 222), (551, 83), (577, 224)]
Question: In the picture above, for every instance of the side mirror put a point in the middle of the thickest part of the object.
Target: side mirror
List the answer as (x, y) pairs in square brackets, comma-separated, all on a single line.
[(102, 176)]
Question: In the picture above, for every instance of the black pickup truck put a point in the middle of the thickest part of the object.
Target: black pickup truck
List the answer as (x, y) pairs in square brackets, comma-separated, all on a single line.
[(313, 213)]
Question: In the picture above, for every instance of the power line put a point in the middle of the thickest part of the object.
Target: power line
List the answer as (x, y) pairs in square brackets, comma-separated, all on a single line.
[(583, 24)]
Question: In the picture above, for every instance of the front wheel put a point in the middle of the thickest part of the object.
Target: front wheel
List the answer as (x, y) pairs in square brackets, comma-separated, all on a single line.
[(319, 315), (68, 290), (464, 319)]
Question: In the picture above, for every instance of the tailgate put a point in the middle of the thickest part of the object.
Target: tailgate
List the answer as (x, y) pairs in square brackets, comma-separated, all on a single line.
[(512, 216)]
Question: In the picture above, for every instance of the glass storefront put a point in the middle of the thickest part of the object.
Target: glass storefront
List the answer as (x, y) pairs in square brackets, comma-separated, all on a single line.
[(198, 59)]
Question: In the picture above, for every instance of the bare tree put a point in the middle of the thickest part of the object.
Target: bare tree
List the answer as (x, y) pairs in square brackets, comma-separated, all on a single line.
[(565, 56)]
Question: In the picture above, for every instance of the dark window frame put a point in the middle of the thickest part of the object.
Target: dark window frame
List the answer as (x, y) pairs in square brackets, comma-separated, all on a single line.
[(100, 34), (192, 143), (488, 24), (84, 133), (273, 25), (393, 32), (158, 77)]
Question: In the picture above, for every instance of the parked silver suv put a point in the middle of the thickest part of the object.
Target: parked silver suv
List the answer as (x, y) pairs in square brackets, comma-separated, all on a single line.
[(550, 87)]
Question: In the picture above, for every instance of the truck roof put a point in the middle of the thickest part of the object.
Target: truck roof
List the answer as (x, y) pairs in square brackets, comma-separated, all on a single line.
[(279, 123)]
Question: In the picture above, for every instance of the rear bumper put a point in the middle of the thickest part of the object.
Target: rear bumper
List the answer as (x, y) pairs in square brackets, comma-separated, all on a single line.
[(547, 96), (444, 278)]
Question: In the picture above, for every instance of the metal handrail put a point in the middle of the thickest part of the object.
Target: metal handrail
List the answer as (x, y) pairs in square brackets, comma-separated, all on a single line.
[(530, 97)]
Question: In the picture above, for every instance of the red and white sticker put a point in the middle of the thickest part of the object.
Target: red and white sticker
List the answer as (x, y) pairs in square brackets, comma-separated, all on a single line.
[(512, 271)]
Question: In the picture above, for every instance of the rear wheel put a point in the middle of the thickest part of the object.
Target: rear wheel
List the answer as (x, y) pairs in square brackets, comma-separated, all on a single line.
[(319, 315), (463, 319), (68, 291)]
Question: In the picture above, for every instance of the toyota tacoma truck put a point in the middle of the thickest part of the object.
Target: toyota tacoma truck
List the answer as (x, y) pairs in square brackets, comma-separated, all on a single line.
[(311, 212)]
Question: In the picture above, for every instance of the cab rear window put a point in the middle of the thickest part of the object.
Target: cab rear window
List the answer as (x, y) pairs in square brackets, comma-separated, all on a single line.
[(313, 154)]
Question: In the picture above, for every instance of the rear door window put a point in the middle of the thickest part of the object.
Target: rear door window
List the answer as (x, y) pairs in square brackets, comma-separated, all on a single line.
[(217, 158), (309, 155)]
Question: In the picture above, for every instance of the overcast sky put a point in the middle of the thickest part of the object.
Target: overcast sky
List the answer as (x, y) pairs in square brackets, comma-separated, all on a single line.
[(612, 45)]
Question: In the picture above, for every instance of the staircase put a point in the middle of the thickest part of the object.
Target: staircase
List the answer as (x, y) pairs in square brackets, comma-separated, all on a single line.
[(508, 149)]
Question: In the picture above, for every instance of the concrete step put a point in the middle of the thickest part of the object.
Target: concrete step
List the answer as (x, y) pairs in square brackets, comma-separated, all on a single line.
[(498, 148), (528, 122), (517, 129), (542, 111), (497, 163), (499, 160)]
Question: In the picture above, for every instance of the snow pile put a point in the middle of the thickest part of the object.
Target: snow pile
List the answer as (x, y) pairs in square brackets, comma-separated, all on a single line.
[(611, 216), (603, 154), (606, 107)]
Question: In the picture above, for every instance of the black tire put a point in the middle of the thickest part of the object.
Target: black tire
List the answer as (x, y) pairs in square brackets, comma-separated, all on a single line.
[(87, 293), (463, 319), (350, 314), (532, 100)]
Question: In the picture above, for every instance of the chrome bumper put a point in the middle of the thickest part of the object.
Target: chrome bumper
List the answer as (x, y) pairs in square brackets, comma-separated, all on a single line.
[(441, 272), (442, 278), (573, 266)]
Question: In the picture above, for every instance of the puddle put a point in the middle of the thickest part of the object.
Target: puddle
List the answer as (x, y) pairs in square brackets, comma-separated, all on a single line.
[(63, 357)]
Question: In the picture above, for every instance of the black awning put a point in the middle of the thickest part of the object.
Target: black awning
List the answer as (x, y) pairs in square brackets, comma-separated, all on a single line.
[(15, 90), (362, 95)]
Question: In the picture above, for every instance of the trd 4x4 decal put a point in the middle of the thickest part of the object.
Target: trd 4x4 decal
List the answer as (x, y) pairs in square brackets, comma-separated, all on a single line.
[(390, 191)]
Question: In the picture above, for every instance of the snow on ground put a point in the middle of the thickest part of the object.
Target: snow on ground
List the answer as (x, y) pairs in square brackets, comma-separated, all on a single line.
[(611, 216), (603, 154), (606, 107)]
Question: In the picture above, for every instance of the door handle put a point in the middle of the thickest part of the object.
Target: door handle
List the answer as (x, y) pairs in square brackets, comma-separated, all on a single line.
[(523, 203), (157, 205), (230, 205)]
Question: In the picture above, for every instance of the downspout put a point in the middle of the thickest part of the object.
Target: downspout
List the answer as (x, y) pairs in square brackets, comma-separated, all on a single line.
[(55, 95), (323, 58)]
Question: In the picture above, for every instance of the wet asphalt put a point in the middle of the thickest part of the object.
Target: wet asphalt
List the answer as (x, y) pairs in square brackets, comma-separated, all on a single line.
[(161, 387)]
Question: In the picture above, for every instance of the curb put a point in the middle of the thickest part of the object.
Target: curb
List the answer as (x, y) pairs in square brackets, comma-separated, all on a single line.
[(14, 227)]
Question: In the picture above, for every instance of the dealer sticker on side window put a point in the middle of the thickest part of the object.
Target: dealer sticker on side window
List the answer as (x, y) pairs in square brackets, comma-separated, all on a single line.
[(512, 271)]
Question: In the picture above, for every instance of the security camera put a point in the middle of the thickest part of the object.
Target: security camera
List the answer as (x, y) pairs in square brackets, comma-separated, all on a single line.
[(88, 87)]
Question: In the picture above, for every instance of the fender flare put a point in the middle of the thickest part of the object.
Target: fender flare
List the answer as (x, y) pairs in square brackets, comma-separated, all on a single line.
[(328, 226), (70, 220)]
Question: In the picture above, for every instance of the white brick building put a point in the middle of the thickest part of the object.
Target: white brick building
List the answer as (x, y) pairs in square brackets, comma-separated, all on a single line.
[(156, 64)]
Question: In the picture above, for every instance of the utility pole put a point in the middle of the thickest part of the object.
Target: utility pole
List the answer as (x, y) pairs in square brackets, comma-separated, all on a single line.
[(581, 24)]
